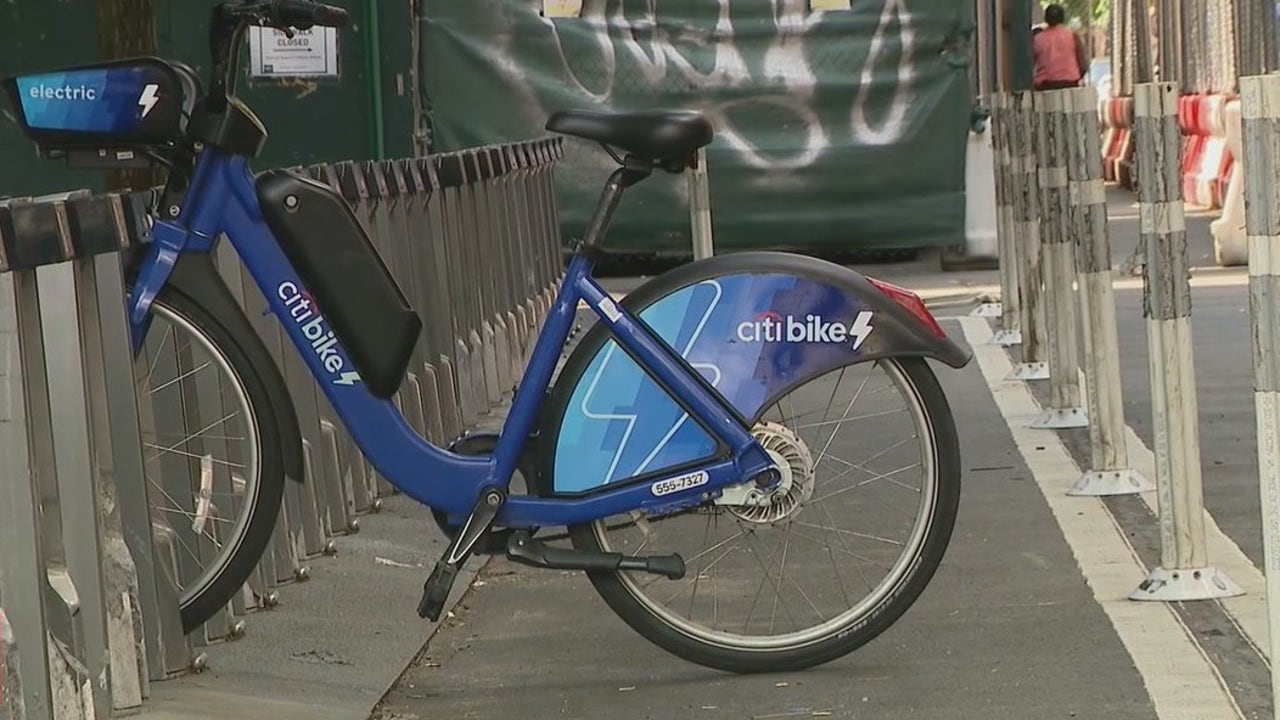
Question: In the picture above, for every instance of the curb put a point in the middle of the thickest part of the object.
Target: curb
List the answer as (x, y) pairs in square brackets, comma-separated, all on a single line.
[(959, 298)]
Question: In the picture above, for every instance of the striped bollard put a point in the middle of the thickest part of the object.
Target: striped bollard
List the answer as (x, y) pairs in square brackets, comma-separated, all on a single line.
[(1026, 213), (1109, 471), (1010, 330), (1184, 572), (1260, 125), (1059, 271)]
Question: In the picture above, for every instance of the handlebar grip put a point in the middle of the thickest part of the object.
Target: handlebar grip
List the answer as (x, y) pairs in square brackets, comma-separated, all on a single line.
[(303, 14), (330, 16)]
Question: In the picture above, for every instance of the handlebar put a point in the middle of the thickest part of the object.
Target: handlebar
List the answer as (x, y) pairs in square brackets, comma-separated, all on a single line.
[(231, 17), (282, 14), (302, 14)]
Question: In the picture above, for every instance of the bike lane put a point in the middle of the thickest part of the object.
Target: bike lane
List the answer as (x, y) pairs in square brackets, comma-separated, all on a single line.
[(1009, 628)]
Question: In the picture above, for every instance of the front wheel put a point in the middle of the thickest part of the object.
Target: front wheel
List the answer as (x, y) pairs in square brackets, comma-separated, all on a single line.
[(214, 469), (844, 547)]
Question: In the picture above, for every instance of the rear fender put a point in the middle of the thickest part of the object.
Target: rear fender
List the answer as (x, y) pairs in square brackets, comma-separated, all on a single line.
[(754, 325)]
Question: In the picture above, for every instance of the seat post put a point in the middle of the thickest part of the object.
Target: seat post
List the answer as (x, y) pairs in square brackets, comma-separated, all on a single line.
[(631, 172)]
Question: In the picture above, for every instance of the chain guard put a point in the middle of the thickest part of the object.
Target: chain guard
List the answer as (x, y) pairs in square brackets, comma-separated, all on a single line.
[(485, 444)]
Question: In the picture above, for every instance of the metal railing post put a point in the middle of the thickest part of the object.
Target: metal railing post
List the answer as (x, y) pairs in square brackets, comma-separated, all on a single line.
[(41, 601), (82, 427), (699, 185), (507, 238), (22, 559), (401, 263), (380, 201), (1109, 471), (422, 268), (1184, 572), (466, 338), (480, 242), (359, 476), (168, 648), (445, 315), (528, 252), (59, 323)]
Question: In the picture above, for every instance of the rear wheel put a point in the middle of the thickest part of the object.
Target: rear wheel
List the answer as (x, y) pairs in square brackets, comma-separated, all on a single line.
[(867, 530), (215, 474)]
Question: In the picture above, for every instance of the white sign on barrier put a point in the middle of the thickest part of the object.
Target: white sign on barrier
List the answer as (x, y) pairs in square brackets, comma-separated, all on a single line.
[(309, 53)]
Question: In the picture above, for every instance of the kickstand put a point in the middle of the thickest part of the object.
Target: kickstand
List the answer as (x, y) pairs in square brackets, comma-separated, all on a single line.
[(435, 591)]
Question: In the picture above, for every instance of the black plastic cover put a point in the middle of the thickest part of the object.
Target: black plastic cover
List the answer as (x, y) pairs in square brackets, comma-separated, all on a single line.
[(350, 284), (32, 235), (97, 225)]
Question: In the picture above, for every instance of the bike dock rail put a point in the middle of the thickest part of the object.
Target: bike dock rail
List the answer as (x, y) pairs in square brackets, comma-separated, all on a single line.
[(89, 570)]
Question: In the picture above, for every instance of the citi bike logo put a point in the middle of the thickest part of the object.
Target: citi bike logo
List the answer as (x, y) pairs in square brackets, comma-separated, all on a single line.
[(323, 342), (772, 327)]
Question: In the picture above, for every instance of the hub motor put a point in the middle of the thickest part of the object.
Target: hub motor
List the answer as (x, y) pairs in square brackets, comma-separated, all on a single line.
[(795, 462)]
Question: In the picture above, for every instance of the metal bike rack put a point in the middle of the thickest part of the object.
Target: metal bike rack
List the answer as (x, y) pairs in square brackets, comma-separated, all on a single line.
[(83, 573), (90, 567)]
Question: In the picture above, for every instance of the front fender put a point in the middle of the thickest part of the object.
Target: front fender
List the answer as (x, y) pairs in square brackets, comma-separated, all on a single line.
[(195, 276), (755, 325)]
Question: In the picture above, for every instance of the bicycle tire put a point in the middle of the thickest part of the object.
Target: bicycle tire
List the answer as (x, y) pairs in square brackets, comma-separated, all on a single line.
[(264, 507), (863, 629)]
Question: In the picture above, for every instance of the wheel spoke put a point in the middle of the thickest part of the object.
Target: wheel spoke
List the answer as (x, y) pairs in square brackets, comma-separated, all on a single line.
[(218, 544), (173, 449), (793, 545)]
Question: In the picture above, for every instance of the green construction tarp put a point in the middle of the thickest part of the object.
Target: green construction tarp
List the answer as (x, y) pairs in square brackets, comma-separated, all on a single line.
[(843, 129)]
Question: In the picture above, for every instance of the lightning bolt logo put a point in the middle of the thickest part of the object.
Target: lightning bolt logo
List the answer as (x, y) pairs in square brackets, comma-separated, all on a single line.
[(347, 378), (860, 328), (149, 98), (631, 418)]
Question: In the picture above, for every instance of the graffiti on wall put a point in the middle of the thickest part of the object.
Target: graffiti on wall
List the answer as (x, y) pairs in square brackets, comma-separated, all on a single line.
[(798, 97), (659, 52)]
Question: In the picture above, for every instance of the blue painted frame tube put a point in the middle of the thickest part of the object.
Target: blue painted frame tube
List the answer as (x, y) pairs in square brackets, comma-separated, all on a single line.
[(169, 239), (532, 388), (225, 202)]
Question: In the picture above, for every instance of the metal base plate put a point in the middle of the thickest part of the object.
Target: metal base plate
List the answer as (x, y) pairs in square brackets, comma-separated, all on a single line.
[(987, 310), (1111, 482), (1030, 371), (1058, 418), (1204, 583), (1007, 338)]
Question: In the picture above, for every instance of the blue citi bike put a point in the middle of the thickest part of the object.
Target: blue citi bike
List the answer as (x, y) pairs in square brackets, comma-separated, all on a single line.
[(698, 444)]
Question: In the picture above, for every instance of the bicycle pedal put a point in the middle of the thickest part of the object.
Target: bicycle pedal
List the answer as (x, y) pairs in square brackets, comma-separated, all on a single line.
[(435, 591), (522, 548)]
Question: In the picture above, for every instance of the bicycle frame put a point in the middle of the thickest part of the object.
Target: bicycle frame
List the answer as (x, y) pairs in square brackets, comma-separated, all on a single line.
[(222, 200)]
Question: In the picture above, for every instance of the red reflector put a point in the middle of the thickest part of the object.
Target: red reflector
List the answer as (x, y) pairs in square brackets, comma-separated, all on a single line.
[(911, 303)]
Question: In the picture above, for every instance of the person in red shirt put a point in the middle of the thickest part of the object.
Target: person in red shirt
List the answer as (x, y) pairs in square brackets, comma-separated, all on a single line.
[(1059, 53)]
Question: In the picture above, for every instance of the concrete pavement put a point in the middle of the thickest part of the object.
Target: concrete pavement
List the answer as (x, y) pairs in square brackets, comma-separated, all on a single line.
[(1007, 629), (1028, 616)]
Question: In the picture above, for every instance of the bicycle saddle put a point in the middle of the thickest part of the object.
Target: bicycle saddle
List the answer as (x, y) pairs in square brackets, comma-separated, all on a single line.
[(656, 135)]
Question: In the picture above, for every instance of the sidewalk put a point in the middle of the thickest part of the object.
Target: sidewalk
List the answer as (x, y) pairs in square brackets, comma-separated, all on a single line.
[(1007, 629), (1027, 617)]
